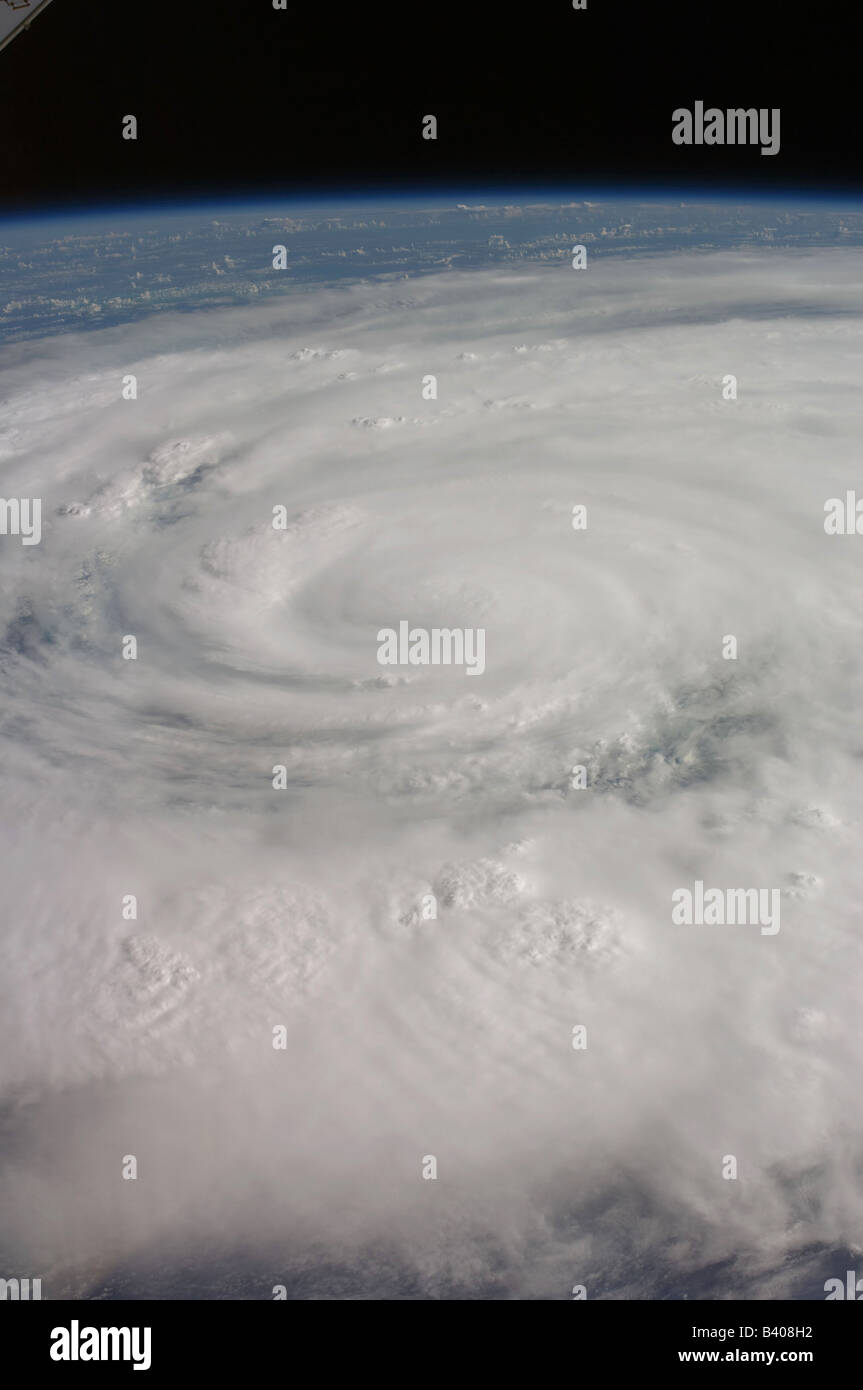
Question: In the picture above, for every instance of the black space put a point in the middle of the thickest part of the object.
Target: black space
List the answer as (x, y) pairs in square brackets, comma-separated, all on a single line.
[(233, 96)]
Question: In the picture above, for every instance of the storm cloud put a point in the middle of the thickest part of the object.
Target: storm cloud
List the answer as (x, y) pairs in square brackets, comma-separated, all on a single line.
[(450, 1036)]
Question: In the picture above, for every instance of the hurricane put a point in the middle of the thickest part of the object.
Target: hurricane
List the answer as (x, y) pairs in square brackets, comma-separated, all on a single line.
[(371, 968)]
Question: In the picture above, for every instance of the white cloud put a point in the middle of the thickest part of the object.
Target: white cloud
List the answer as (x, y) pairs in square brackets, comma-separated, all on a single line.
[(258, 647)]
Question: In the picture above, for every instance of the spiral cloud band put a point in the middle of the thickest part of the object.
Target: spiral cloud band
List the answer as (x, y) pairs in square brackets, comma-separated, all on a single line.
[(502, 1069)]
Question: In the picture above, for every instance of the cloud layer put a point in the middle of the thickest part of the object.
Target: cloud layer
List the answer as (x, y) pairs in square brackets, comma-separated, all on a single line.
[(450, 1037)]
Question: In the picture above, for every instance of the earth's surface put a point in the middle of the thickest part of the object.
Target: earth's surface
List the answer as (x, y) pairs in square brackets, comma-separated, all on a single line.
[(429, 901)]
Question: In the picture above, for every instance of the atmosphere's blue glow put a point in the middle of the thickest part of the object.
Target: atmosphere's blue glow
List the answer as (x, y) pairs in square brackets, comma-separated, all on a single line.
[(422, 197)]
